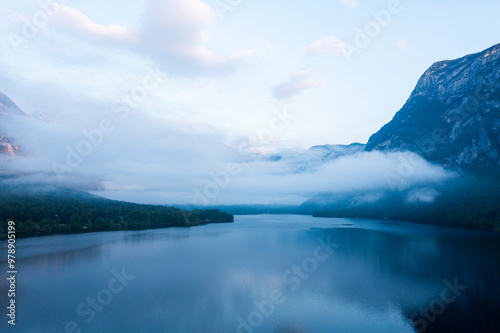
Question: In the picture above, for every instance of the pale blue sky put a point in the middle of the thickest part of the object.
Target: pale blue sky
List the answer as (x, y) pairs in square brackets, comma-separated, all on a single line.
[(224, 81), (346, 101)]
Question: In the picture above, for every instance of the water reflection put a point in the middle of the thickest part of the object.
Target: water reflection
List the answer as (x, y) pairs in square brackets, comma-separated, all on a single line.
[(172, 234), (222, 278)]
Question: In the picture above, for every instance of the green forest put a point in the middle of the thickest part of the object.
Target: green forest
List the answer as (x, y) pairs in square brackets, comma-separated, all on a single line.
[(73, 212), (472, 202)]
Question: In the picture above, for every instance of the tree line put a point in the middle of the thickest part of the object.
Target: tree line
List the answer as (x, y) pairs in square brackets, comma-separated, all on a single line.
[(37, 214)]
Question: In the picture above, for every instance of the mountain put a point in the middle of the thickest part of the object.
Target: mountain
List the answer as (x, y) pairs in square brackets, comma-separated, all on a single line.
[(8, 107), (7, 146), (453, 116), (467, 202), (299, 161), (8, 110), (315, 156), (328, 152), (40, 209)]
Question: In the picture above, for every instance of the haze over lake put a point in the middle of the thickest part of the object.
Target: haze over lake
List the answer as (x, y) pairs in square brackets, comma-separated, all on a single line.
[(231, 166), (264, 273)]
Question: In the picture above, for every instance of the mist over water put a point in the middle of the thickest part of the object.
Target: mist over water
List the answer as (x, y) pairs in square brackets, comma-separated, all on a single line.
[(128, 115), (147, 160)]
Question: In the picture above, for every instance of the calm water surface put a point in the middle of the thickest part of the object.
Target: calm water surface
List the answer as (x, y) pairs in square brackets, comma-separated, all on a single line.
[(266, 273)]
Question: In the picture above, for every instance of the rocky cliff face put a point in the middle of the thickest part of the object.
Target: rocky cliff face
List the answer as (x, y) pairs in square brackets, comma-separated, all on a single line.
[(453, 115), (8, 109), (8, 147)]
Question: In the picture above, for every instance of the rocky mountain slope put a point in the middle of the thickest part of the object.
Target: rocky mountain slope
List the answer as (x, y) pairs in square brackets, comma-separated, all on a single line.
[(8, 109), (453, 115), (452, 118)]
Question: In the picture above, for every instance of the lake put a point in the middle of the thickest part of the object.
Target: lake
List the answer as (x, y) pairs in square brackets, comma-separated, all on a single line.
[(264, 273)]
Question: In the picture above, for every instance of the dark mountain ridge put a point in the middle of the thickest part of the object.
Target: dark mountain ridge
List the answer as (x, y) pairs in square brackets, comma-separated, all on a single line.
[(453, 116)]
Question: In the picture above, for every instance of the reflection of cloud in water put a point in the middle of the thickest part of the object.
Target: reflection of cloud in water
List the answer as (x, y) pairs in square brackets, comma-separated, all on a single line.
[(207, 277), (171, 234)]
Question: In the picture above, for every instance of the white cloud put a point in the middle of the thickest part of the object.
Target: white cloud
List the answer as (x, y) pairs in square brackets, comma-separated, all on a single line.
[(296, 84), (401, 44), (424, 195), (171, 32), (279, 183), (330, 45), (176, 22), (147, 159), (71, 19), (350, 3)]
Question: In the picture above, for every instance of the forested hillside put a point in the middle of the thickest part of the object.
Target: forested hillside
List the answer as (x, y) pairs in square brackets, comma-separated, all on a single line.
[(71, 211), (471, 202)]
